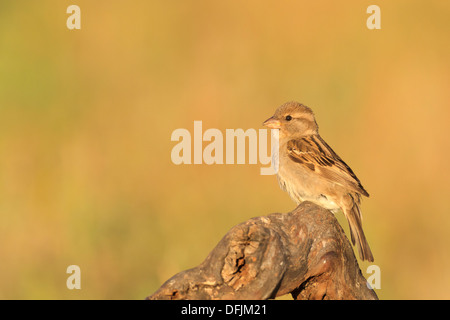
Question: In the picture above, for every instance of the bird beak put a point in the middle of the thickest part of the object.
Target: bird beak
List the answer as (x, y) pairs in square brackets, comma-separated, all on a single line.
[(272, 123)]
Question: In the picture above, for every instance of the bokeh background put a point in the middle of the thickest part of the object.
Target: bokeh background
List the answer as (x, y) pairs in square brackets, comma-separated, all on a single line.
[(86, 118)]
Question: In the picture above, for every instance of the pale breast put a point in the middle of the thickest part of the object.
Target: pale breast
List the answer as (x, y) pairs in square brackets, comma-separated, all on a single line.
[(302, 185)]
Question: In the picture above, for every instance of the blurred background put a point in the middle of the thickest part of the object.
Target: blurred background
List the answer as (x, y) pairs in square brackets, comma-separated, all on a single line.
[(86, 117)]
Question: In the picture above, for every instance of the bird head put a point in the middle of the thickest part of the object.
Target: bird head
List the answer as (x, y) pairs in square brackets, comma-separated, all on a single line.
[(293, 120)]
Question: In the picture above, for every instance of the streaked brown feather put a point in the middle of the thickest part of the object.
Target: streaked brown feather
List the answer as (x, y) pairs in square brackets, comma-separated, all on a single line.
[(314, 153)]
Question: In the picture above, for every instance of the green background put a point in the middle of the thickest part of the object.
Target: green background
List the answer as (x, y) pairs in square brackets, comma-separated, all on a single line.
[(86, 117)]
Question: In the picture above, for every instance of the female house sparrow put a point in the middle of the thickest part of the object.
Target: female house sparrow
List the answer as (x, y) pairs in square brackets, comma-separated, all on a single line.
[(309, 170)]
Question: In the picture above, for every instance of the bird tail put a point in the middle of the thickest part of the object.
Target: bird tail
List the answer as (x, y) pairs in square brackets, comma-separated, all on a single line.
[(354, 219)]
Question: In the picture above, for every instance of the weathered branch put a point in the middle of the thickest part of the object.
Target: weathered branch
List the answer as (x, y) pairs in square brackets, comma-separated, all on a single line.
[(304, 252)]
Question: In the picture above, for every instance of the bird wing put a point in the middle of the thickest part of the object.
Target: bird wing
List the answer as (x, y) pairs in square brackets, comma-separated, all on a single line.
[(316, 155)]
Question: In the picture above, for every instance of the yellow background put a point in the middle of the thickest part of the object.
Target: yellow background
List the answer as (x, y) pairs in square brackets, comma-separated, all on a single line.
[(86, 117)]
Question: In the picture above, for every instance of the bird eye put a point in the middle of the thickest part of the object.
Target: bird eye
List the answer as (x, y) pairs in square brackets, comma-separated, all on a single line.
[(288, 118)]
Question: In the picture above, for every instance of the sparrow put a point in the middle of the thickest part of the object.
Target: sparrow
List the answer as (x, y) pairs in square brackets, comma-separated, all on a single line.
[(309, 170)]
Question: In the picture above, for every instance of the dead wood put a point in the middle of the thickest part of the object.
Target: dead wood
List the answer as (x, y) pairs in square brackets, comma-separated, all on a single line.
[(304, 252)]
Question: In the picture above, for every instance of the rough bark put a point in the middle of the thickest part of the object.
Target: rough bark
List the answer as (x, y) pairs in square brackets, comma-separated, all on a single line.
[(304, 253)]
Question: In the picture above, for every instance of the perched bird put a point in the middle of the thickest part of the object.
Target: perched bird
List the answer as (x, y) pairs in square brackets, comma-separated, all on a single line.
[(309, 170)]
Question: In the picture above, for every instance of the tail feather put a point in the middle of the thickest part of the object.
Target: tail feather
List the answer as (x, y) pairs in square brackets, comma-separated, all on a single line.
[(354, 216)]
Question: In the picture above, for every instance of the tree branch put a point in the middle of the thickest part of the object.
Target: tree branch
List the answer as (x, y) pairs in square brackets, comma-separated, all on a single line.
[(304, 252)]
